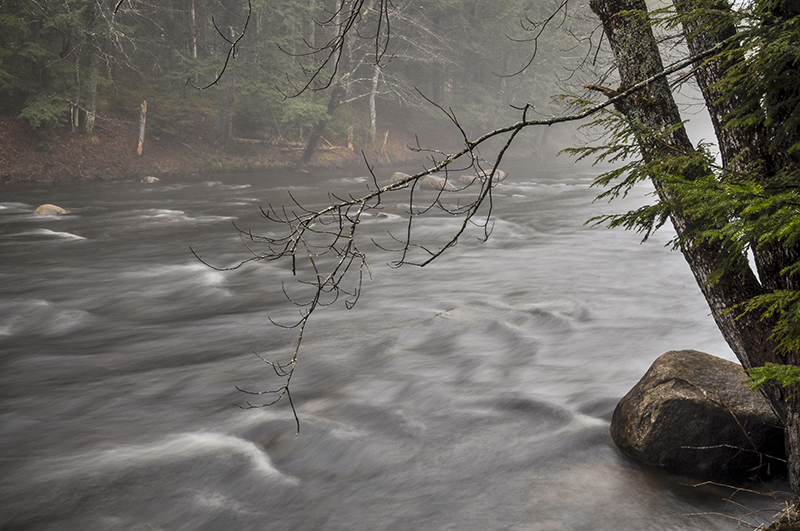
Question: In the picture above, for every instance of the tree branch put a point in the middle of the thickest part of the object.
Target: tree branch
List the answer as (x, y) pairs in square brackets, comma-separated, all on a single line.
[(314, 236)]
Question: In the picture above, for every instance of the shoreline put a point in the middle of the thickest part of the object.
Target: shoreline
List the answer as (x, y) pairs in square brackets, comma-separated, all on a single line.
[(59, 157)]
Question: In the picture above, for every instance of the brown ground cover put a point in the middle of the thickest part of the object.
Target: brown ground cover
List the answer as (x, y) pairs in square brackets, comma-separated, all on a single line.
[(62, 156)]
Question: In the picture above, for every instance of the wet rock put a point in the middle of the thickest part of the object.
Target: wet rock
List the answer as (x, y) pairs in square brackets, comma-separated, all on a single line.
[(434, 182), (429, 182), (481, 176), (398, 176), (49, 210), (692, 415)]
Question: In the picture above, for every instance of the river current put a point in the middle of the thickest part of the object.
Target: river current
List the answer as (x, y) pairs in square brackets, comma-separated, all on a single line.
[(472, 394)]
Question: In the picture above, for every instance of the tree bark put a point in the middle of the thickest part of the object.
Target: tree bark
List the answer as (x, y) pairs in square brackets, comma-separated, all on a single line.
[(312, 25), (701, 35), (76, 106)]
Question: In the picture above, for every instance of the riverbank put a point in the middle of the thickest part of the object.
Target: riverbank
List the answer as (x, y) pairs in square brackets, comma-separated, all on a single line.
[(61, 156)]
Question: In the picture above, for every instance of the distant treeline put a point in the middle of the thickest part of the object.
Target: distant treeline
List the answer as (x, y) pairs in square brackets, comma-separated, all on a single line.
[(74, 63)]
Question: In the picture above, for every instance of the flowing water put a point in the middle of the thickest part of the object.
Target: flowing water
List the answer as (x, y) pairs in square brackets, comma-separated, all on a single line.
[(473, 394)]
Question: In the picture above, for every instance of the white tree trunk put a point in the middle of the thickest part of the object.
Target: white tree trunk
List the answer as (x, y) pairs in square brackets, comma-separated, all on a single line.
[(373, 113), (142, 121)]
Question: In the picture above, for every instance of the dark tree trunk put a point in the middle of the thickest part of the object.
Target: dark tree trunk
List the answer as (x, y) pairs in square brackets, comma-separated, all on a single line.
[(94, 72), (700, 37), (792, 440), (638, 58), (316, 133), (738, 146)]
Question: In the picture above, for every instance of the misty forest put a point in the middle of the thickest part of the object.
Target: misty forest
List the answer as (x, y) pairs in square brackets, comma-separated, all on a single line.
[(344, 264), (86, 64)]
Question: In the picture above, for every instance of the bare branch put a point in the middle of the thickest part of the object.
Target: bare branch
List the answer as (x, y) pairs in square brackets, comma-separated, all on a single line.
[(322, 245)]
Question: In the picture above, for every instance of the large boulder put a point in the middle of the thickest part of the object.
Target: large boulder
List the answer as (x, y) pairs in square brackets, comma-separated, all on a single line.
[(49, 210), (692, 415)]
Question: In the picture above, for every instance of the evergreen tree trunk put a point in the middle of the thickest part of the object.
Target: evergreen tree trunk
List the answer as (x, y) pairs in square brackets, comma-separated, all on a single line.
[(738, 146), (792, 440), (91, 112), (316, 133), (700, 37), (75, 117), (638, 58), (312, 25)]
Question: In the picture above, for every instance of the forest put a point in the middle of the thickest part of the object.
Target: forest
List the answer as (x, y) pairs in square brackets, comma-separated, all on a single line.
[(82, 65)]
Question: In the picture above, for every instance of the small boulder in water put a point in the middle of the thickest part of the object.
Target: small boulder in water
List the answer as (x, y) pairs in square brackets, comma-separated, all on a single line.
[(398, 176), (434, 182), (688, 414), (150, 179), (429, 182), (481, 176), (49, 210)]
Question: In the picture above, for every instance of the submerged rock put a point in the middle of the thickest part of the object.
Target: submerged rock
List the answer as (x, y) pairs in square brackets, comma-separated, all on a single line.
[(49, 210), (429, 182), (481, 176), (434, 182), (692, 415)]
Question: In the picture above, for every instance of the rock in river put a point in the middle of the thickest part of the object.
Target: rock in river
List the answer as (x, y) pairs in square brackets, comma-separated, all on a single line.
[(49, 210), (429, 182), (692, 415)]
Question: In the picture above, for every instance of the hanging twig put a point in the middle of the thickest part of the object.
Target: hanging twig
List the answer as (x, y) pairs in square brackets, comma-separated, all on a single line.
[(313, 237)]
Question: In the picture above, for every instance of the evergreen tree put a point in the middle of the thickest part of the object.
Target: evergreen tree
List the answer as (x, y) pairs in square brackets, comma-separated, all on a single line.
[(749, 204)]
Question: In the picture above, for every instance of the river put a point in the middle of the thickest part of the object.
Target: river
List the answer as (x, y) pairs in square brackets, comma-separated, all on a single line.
[(472, 394)]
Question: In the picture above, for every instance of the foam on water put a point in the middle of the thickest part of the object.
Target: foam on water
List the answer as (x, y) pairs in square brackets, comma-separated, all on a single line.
[(40, 317), (218, 184), (218, 501), (176, 448), (15, 208), (351, 180), (384, 216), (160, 213), (195, 272), (164, 215), (50, 235)]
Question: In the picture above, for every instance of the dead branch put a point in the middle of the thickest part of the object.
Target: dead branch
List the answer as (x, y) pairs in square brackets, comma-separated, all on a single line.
[(605, 90), (323, 246)]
